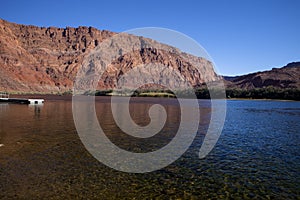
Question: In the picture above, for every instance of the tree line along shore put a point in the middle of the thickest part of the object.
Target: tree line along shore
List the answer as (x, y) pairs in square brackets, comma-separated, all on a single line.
[(204, 93), (200, 93)]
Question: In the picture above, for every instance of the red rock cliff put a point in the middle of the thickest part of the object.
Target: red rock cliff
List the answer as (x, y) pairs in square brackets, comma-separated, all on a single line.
[(39, 59)]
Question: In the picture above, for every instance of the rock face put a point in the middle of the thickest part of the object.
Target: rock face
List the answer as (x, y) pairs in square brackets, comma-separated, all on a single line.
[(285, 77), (39, 59)]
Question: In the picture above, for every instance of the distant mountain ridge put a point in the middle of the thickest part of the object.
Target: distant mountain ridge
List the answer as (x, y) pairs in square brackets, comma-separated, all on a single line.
[(285, 77)]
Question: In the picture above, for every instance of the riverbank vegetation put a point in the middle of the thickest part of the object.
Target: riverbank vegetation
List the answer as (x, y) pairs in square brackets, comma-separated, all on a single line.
[(200, 93), (257, 93)]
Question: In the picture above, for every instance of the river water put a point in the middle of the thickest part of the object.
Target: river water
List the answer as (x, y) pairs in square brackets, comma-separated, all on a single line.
[(257, 155)]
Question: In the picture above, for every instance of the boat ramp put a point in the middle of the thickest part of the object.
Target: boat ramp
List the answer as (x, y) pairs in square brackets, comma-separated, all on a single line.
[(4, 97)]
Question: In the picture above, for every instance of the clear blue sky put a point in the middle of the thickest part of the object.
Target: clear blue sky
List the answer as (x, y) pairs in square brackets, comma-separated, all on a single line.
[(241, 36)]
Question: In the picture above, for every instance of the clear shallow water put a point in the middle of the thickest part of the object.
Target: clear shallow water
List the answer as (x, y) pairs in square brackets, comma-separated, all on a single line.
[(257, 155)]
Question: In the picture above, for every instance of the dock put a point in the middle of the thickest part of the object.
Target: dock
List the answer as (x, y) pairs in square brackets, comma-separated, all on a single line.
[(4, 97)]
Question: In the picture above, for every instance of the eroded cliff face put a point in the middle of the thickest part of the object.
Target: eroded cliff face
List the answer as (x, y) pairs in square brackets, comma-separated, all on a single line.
[(38, 59)]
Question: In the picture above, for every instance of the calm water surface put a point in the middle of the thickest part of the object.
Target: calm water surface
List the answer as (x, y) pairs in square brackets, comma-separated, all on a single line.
[(256, 157)]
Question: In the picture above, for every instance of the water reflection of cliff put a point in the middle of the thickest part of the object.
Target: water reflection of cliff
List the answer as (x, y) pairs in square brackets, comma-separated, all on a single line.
[(139, 113), (4, 108)]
